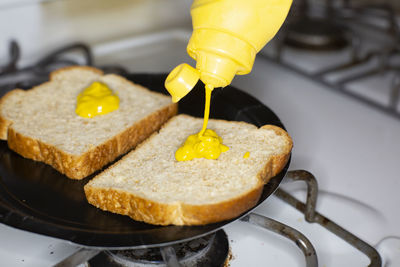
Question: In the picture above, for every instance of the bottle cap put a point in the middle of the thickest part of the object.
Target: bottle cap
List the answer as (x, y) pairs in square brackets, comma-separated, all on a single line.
[(181, 81)]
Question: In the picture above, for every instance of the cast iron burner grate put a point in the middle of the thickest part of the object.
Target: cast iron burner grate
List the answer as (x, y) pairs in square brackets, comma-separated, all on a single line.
[(337, 19), (209, 251), (12, 76)]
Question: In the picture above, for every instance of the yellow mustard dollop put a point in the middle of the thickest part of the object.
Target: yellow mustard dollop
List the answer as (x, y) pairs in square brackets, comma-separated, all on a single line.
[(206, 144), (97, 99), (246, 155)]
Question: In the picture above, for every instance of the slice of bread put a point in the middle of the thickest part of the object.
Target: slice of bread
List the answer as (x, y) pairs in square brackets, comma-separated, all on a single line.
[(149, 185), (41, 123)]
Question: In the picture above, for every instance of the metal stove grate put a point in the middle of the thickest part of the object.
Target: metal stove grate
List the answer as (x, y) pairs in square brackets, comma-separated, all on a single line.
[(384, 55), (12, 76), (312, 216)]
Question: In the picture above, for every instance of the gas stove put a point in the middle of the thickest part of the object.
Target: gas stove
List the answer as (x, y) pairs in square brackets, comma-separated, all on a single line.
[(343, 117)]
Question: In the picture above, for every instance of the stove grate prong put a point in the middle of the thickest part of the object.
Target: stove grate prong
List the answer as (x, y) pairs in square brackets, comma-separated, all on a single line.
[(169, 256), (284, 230), (313, 216)]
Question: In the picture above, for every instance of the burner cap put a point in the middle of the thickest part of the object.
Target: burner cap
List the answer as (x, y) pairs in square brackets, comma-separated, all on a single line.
[(313, 33)]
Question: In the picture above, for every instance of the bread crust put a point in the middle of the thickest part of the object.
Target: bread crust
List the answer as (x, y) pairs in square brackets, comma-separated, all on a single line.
[(54, 74), (80, 166), (279, 161), (4, 123), (146, 210)]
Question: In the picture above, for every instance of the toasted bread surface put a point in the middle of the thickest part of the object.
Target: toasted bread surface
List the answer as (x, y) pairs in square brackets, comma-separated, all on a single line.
[(149, 185), (41, 123)]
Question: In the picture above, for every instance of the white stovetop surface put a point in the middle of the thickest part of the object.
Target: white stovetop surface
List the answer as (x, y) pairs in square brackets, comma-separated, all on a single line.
[(352, 150)]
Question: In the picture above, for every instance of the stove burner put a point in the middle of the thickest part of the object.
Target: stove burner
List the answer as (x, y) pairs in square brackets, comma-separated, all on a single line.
[(320, 34), (210, 251), (12, 76)]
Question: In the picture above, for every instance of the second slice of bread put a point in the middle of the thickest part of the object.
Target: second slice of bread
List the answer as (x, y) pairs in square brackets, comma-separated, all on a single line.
[(149, 185), (41, 123)]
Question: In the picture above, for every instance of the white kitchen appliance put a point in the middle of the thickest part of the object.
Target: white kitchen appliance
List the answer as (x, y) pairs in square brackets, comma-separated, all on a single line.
[(341, 107)]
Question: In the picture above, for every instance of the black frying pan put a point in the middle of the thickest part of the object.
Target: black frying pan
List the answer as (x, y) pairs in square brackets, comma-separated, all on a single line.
[(36, 198)]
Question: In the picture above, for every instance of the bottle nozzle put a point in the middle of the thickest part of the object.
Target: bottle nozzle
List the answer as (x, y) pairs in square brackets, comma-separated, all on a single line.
[(212, 69), (181, 81), (216, 70)]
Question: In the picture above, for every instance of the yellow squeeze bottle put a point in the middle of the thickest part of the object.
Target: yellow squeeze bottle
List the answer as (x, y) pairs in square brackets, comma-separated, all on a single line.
[(227, 35)]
